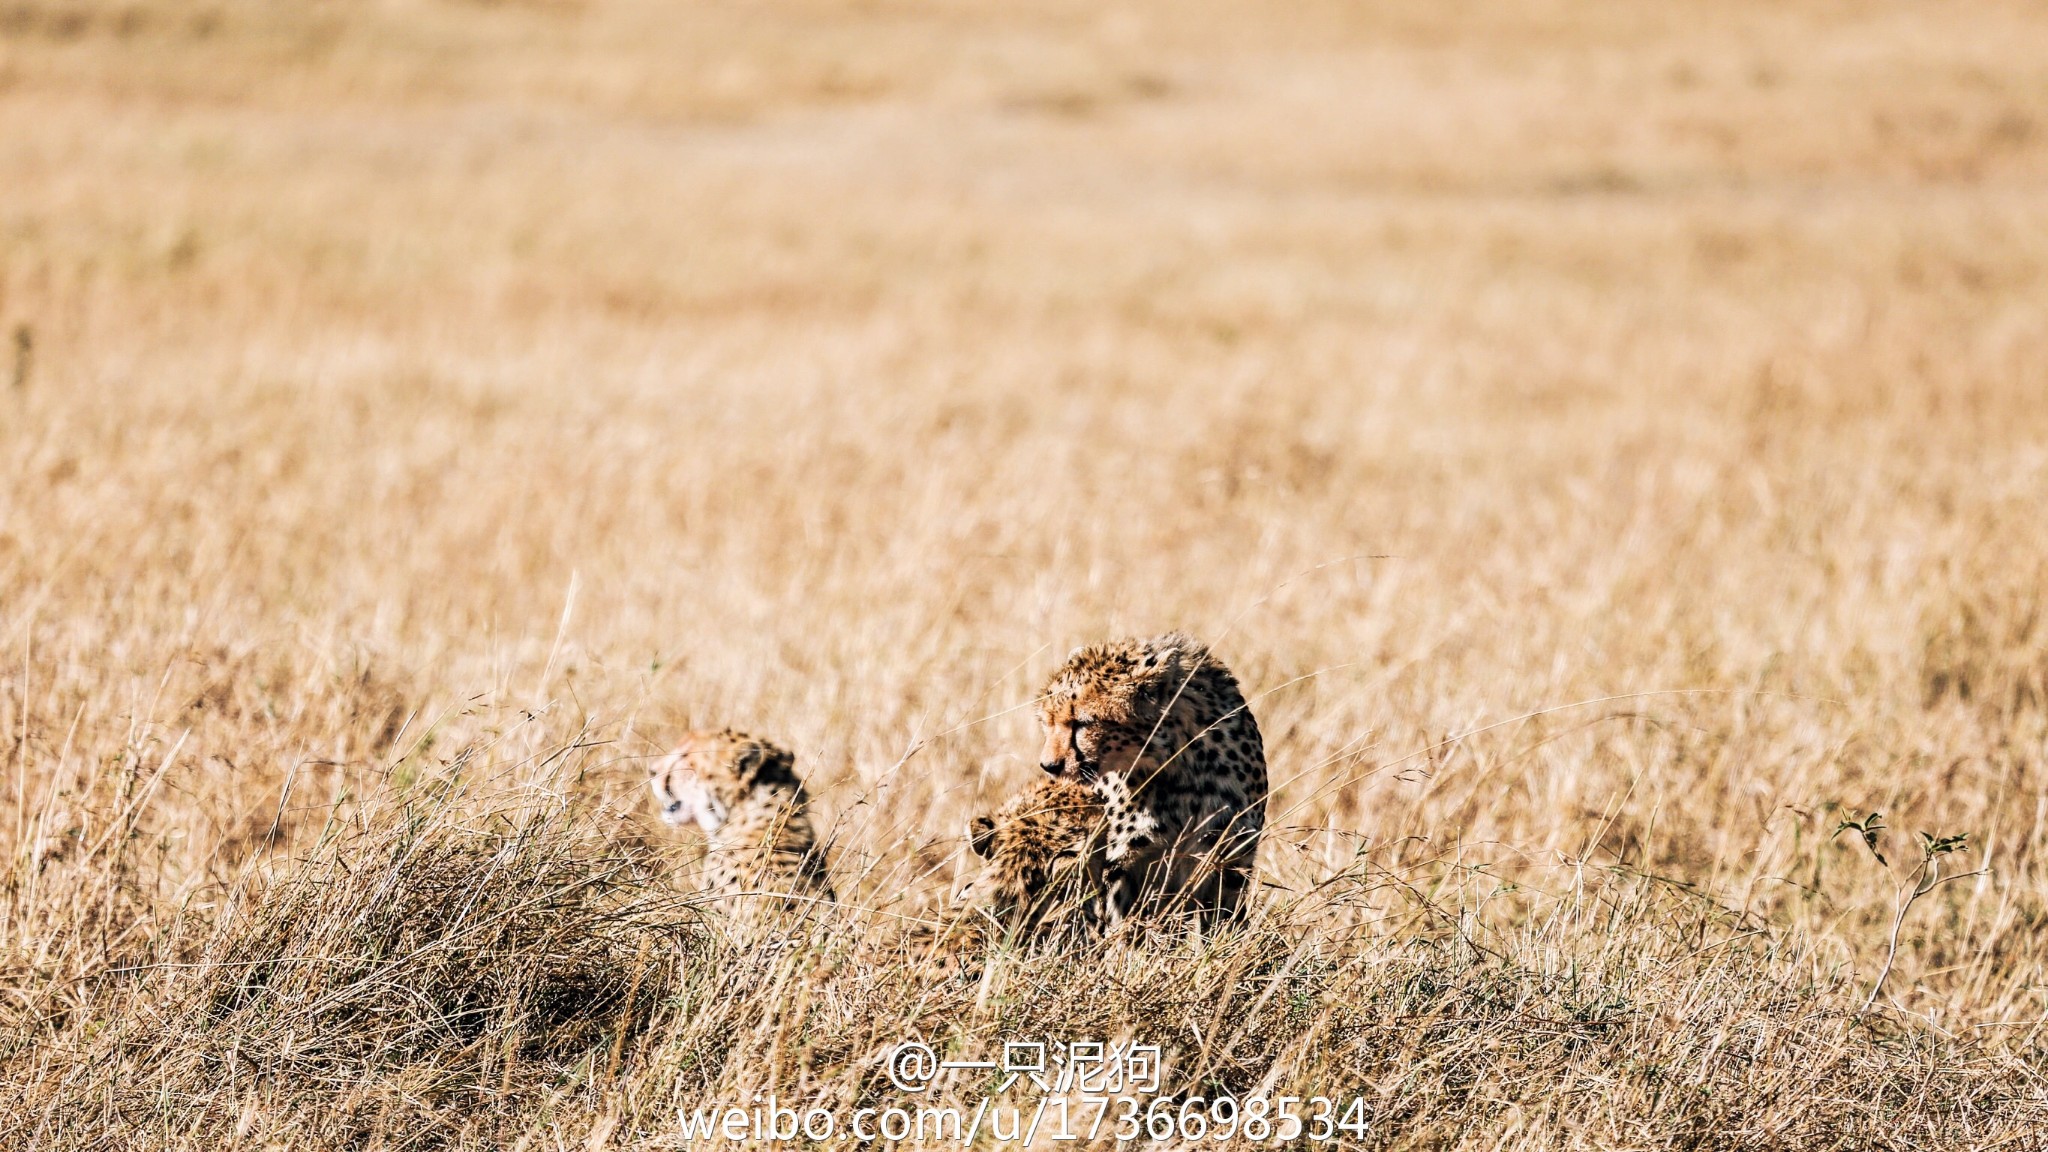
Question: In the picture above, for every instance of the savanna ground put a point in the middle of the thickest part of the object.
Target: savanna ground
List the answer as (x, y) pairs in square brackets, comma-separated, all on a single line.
[(1609, 439)]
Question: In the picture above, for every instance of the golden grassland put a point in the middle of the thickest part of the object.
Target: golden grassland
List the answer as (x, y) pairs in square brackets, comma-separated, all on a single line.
[(1609, 440)]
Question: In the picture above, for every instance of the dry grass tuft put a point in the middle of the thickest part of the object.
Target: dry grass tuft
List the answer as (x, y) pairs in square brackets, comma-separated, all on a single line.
[(452, 974), (426, 974)]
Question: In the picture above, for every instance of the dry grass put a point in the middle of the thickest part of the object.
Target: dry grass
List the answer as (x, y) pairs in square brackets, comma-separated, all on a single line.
[(1610, 438)]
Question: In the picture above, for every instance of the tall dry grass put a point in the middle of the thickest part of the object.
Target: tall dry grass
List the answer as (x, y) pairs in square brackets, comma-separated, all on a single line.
[(1609, 439)]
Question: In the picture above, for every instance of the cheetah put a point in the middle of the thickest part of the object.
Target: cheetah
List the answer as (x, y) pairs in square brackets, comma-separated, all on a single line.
[(1043, 854), (1040, 875), (1159, 729), (745, 795)]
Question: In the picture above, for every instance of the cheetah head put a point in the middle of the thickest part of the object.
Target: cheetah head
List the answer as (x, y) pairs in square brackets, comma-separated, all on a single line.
[(1102, 709), (711, 771), (1040, 854)]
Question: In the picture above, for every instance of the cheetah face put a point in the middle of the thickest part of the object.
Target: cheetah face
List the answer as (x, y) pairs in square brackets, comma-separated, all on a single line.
[(682, 797), (1088, 735), (710, 772), (1018, 893), (1025, 859), (1013, 881), (1102, 710)]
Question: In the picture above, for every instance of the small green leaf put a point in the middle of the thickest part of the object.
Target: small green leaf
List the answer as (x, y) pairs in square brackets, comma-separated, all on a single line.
[(1932, 846), (1870, 828)]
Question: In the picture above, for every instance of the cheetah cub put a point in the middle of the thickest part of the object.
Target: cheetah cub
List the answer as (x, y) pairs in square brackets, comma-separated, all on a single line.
[(1040, 876), (745, 795), (1043, 860), (1159, 729)]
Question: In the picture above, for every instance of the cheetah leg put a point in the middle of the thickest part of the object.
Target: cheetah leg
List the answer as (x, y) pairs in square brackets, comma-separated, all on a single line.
[(1116, 898)]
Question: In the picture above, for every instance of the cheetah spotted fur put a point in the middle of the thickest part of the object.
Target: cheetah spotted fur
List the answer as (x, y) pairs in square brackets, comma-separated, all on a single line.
[(1160, 730), (745, 795)]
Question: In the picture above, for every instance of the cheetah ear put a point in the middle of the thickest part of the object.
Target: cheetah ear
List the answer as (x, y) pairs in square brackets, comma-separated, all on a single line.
[(1171, 650), (766, 764), (981, 836), (1158, 673)]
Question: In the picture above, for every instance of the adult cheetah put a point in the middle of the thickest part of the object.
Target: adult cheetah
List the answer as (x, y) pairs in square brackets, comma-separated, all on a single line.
[(745, 795), (1158, 728)]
